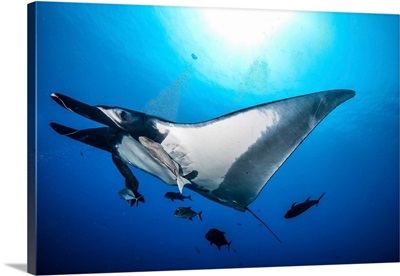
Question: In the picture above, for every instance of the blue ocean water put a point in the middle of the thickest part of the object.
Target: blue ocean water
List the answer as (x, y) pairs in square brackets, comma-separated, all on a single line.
[(141, 58)]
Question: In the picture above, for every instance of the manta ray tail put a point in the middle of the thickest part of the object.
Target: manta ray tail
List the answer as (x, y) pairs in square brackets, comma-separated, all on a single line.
[(264, 224)]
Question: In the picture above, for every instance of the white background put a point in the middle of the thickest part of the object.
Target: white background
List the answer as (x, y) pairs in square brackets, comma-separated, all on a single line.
[(13, 129)]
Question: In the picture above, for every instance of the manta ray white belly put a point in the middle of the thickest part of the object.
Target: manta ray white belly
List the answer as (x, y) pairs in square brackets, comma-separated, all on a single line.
[(212, 148)]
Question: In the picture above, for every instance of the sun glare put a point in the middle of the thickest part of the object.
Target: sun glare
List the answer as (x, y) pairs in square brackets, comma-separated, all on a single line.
[(244, 28)]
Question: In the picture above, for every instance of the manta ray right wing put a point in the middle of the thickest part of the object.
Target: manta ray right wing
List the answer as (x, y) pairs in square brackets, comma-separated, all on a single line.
[(235, 155)]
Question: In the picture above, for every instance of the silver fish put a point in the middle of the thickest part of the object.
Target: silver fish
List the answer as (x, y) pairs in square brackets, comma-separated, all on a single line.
[(187, 212)]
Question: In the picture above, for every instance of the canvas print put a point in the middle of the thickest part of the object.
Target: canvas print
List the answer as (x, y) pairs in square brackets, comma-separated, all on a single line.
[(181, 138)]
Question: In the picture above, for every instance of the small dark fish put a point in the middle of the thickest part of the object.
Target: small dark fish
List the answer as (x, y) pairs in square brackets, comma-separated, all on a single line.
[(172, 196), (198, 250), (238, 223), (234, 250), (299, 208), (81, 153), (194, 56), (187, 212), (217, 237)]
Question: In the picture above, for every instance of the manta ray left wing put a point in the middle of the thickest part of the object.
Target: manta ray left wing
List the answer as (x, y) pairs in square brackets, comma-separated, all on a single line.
[(230, 158)]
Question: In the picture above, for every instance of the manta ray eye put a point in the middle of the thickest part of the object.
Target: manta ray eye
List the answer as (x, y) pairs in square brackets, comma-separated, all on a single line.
[(125, 116)]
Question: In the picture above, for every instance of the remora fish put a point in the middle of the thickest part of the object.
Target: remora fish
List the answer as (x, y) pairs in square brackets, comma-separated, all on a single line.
[(299, 208), (172, 196), (217, 237), (187, 212), (158, 152)]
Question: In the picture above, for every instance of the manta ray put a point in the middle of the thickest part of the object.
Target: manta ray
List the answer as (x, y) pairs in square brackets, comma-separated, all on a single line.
[(228, 159)]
